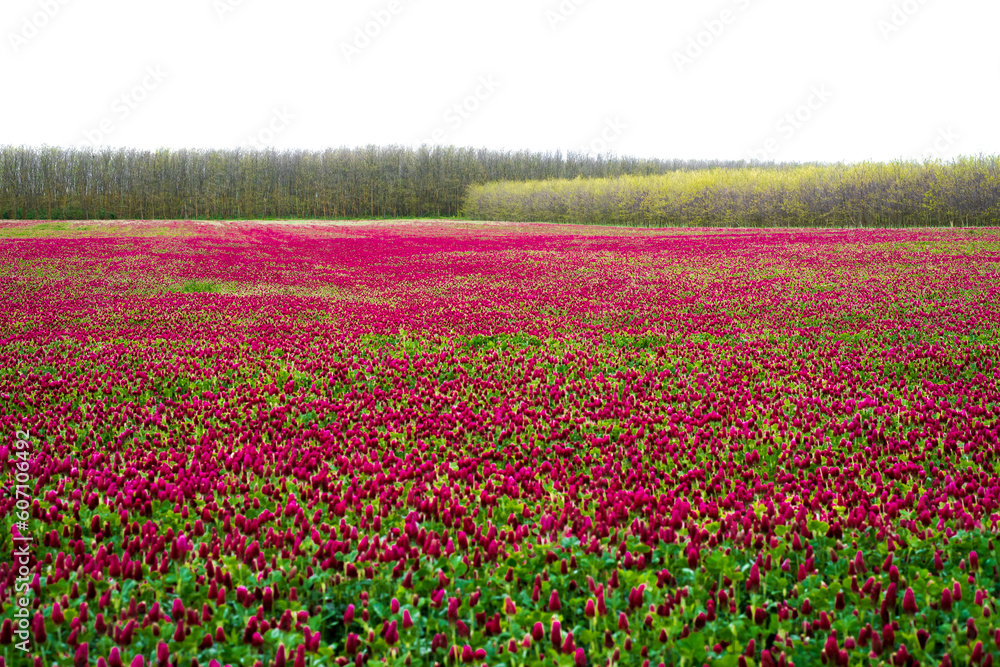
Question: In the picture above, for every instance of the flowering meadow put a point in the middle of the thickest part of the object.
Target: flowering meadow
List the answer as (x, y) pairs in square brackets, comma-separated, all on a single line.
[(425, 443)]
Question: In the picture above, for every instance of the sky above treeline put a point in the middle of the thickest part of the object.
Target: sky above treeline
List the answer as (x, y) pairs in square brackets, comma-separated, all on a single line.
[(782, 80)]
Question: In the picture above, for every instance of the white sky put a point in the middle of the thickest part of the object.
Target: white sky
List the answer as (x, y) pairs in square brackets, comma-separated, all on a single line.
[(886, 79)]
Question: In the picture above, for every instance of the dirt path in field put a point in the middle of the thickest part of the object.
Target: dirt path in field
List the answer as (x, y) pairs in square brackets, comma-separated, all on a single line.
[(21, 229), (429, 226)]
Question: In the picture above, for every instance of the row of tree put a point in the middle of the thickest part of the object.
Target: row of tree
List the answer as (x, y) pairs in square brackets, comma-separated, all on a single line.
[(374, 181), (962, 192)]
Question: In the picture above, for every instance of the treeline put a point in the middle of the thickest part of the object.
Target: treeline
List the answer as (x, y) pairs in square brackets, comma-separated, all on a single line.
[(964, 192), (375, 181)]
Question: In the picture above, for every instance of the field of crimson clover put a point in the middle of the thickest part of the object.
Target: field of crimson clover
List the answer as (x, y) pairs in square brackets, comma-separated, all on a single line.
[(439, 443)]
